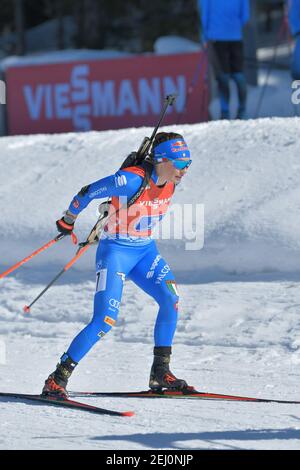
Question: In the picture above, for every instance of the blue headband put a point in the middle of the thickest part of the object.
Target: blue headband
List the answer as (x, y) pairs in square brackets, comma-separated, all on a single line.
[(171, 149)]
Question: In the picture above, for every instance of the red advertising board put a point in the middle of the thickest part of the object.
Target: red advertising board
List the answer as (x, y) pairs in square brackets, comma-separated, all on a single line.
[(106, 94)]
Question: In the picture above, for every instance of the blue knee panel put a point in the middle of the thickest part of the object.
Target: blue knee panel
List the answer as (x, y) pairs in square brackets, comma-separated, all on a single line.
[(153, 275)]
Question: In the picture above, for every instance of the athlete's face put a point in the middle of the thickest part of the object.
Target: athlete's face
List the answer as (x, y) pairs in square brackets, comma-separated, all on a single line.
[(167, 172)]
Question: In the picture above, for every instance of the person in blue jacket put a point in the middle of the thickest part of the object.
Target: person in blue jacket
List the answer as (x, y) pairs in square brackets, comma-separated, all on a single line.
[(127, 250), (222, 31), (294, 22)]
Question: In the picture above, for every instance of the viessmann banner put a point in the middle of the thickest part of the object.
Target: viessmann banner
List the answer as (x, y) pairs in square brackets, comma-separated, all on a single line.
[(106, 94)]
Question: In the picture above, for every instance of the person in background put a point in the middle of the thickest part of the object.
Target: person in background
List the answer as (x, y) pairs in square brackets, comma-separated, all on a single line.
[(294, 22), (222, 32)]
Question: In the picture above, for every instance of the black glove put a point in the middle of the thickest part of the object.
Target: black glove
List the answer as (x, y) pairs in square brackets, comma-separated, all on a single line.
[(65, 225)]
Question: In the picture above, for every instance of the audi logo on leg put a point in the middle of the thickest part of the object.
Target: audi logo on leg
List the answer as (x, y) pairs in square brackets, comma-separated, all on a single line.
[(114, 303)]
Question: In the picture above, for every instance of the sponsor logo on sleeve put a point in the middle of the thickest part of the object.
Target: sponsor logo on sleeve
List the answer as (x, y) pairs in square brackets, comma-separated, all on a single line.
[(120, 181), (97, 192)]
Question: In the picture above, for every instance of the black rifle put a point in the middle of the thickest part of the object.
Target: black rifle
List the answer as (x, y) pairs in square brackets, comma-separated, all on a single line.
[(137, 158)]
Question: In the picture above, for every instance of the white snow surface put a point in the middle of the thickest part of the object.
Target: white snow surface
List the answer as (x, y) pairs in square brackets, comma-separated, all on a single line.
[(175, 45), (238, 320)]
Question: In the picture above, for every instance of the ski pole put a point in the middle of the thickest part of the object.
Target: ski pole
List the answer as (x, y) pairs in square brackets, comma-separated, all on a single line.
[(83, 247), (80, 252), (43, 248), (147, 142)]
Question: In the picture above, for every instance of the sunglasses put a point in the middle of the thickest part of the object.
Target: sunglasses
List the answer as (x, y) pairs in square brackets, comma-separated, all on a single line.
[(178, 164), (181, 164)]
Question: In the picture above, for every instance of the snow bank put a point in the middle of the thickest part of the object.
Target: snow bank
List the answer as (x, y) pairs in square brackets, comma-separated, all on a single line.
[(175, 45), (63, 56), (246, 174), (163, 45)]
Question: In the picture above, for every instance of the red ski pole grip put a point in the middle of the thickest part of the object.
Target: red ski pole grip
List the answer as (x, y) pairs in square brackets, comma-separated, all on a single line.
[(74, 238)]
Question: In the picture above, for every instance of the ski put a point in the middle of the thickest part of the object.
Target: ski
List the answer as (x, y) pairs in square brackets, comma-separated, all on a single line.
[(192, 394), (64, 403)]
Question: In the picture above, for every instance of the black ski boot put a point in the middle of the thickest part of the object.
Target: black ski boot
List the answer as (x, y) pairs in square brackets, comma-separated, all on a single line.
[(57, 382), (160, 375)]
